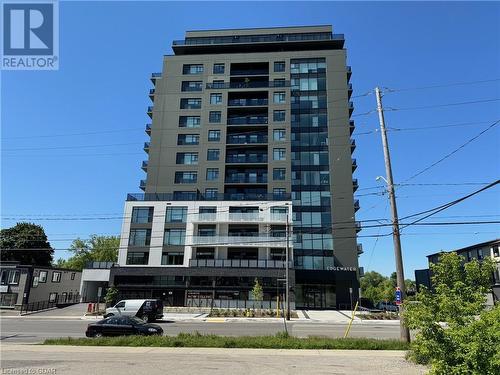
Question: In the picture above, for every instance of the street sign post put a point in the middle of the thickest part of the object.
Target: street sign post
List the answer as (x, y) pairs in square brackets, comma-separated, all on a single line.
[(398, 296)]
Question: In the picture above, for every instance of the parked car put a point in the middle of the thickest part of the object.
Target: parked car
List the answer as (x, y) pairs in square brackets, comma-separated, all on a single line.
[(147, 309), (121, 326), (387, 306)]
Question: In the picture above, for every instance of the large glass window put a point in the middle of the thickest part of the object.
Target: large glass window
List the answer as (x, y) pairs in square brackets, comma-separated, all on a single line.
[(137, 257), (279, 134), (211, 193), (188, 139), (206, 230), (189, 121), (279, 193), (139, 237), (174, 236), (279, 115), (187, 158), (218, 69), (192, 69), (216, 98), (142, 215), (172, 258), (279, 154), (279, 174), (214, 135), (191, 86), (215, 117), (176, 215), (279, 66), (279, 82), (213, 154), (188, 177), (56, 277), (212, 174), (190, 103), (279, 97), (205, 253)]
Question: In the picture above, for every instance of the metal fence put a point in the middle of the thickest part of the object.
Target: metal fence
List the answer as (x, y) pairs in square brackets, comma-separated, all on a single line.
[(59, 301), (233, 303)]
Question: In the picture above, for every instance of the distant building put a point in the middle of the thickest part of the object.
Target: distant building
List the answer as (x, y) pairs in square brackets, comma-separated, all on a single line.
[(95, 275), (478, 251), (22, 284)]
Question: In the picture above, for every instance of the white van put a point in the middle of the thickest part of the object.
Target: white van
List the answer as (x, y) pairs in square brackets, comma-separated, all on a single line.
[(147, 309)]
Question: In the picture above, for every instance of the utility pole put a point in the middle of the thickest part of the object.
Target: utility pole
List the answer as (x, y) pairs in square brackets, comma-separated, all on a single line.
[(287, 267), (404, 331)]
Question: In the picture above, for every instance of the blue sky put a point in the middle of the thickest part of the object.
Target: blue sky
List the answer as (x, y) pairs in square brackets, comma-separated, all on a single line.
[(108, 51)]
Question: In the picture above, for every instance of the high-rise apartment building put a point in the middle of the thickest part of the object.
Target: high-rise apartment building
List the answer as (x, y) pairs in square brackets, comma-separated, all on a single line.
[(250, 131)]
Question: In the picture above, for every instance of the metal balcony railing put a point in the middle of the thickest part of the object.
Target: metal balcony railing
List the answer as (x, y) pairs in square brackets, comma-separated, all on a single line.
[(247, 102), (160, 197), (246, 179), (239, 263), (244, 139), (148, 129), (246, 158), (246, 241), (245, 120), (225, 217), (247, 85)]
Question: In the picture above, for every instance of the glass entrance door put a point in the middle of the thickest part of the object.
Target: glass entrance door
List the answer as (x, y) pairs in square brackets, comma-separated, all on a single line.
[(313, 298)]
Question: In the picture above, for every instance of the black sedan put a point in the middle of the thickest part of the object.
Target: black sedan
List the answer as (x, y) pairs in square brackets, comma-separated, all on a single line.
[(121, 326)]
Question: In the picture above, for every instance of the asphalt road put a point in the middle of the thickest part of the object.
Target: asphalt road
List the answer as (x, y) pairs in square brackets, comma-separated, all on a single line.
[(37, 328), (41, 359)]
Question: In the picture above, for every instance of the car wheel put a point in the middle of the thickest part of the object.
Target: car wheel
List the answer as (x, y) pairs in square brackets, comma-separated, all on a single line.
[(97, 334)]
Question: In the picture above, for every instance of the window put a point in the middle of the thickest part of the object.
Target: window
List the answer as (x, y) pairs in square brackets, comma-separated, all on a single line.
[(279, 134), (218, 84), (279, 192), (14, 277), (207, 210), (35, 281), (480, 254), (213, 154), (73, 275), (191, 85), (279, 115), (174, 237), (53, 297), (185, 195), (137, 258), (215, 117), (176, 215), (279, 97), (205, 253), (206, 230), (189, 121), (279, 154), (215, 98), (218, 68), (56, 277), (139, 237), (279, 66), (188, 139), (172, 258), (214, 135), (142, 215), (279, 82), (211, 193), (279, 174), (42, 277), (212, 174), (496, 252), (192, 69), (187, 158), (185, 177), (190, 103), (278, 254)]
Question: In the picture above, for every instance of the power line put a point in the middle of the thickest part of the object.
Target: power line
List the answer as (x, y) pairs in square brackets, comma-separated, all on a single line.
[(390, 90), (443, 105), (437, 126), (452, 152)]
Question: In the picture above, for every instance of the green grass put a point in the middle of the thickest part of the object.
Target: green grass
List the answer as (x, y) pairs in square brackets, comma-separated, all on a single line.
[(279, 341)]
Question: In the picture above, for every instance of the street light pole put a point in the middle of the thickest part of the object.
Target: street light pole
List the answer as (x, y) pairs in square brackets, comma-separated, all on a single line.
[(404, 331)]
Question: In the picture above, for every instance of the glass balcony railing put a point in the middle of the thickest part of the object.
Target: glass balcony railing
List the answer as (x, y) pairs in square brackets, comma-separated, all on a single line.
[(247, 241), (354, 164), (148, 129), (246, 179), (151, 92), (356, 205), (160, 197), (355, 184), (239, 263), (245, 139), (146, 146), (246, 158), (142, 184), (247, 85), (249, 72), (247, 102), (245, 120), (255, 217), (144, 165)]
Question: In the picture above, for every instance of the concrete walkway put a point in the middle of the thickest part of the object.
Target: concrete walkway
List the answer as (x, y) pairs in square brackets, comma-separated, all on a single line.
[(131, 361)]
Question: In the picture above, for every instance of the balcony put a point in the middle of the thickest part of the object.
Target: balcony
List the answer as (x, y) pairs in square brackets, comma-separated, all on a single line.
[(162, 197), (247, 85), (355, 184), (151, 94), (148, 129), (226, 217), (142, 185), (150, 112), (360, 249), (243, 139), (349, 72), (246, 179), (292, 37), (247, 120), (247, 102), (234, 241), (353, 145), (146, 147), (246, 158), (356, 205), (155, 76), (357, 225), (249, 72), (144, 166), (354, 164), (351, 108), (239, 263), (349, 90), (351, 126)]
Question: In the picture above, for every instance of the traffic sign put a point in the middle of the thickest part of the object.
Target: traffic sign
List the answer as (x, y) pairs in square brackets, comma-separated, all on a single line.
[(398, 296)]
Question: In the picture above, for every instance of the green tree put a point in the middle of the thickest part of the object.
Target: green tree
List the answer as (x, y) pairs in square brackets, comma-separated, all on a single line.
[(110, 296), (376, 287), (455, 335), (96, 248), (257, 292), (26, 243)]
